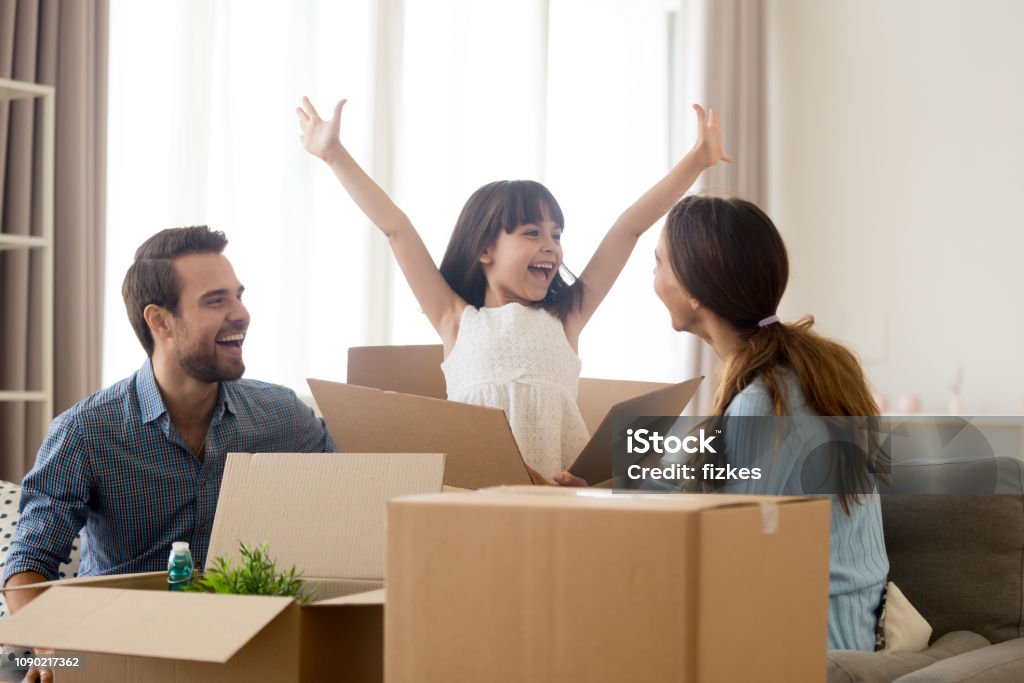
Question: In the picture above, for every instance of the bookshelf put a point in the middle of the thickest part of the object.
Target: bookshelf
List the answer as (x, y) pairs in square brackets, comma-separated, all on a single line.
[(13, 238)]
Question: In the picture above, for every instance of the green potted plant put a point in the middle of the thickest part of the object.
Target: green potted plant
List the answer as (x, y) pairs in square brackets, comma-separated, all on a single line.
[(256, 574)]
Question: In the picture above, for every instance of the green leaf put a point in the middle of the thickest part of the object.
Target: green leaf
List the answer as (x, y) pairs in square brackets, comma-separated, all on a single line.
[(256, 574)]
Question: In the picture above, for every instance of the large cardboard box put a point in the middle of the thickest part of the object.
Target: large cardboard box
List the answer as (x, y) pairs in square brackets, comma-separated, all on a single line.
[(324, 513), (596, 586), (416, 370), (394, 402)]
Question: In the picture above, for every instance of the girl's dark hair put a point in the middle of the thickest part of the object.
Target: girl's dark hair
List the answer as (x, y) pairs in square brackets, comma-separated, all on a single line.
[(497, 206), (729, 256), (151, 278)]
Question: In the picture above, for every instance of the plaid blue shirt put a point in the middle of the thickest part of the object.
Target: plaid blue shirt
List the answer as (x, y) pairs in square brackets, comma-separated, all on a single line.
[(116, 465)]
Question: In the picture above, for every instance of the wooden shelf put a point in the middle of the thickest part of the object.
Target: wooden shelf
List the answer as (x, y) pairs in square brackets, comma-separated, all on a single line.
[(22, 242), (43, 201), (22, 90), (31, 396)]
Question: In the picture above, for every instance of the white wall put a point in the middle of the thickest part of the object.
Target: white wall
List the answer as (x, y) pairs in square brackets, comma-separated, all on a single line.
[(897, 135)]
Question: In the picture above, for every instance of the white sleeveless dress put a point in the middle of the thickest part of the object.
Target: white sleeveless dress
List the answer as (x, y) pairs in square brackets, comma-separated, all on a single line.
[(517, 358)]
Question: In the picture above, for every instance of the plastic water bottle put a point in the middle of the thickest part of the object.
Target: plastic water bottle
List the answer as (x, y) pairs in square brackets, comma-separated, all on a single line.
[(179, 566)]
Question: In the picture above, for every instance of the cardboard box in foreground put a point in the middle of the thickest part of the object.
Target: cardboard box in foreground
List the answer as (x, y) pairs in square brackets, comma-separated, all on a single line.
[(606, 587), (324, 513)]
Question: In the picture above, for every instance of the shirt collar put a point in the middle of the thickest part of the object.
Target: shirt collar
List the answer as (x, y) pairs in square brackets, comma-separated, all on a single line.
[(225, 400), (151, 401)]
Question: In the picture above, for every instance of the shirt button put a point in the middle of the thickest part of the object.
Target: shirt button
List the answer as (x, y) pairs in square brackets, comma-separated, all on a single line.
[(202, 524), (202, 483)]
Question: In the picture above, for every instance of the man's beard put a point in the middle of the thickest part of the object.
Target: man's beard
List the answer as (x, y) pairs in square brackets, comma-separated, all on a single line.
[(202, 366)]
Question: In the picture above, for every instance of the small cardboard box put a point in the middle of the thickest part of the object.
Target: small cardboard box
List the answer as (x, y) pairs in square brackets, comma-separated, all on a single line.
[(394, 401), (324, 513), (597, 586)]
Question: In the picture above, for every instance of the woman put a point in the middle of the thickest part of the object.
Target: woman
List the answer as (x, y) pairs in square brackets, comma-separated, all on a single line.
[(721, 269)]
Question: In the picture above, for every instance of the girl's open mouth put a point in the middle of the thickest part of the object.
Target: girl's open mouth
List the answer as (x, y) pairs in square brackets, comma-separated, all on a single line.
[(543, 271)]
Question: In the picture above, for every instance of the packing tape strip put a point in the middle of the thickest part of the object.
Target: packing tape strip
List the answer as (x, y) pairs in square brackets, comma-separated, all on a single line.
[(769, 517)]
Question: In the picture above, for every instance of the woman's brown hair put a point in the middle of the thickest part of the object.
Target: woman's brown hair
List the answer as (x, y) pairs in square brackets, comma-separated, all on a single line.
[(727, 254), (502, 206)]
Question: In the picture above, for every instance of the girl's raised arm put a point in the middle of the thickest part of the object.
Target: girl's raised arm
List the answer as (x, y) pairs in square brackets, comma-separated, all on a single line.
[(440, 303), (613, 252)]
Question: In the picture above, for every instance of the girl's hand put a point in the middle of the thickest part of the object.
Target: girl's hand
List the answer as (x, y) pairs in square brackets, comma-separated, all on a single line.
[(537, 478), (567, 479), (708, 147), (319, 137), (560, 479)]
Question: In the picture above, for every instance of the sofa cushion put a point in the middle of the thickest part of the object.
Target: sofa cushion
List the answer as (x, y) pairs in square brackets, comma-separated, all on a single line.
[(904, 627), (10, 499), (1002, 663), (855, 666), (959, 558)]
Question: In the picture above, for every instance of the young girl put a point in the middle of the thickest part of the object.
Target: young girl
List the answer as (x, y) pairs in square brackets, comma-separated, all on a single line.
[(720, 269), (509, 323)]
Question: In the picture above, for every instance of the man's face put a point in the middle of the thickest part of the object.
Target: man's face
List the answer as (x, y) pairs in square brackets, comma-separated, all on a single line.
[(211, 321)]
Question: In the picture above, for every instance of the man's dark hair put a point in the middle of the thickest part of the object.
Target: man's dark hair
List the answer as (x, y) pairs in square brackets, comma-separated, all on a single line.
[(151, 278)]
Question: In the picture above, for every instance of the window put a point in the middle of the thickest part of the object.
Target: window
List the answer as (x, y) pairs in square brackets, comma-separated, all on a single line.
[(202, 131)]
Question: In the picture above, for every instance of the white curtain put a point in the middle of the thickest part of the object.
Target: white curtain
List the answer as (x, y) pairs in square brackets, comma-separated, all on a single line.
[(444, 96), (203, 131), (569, 92)]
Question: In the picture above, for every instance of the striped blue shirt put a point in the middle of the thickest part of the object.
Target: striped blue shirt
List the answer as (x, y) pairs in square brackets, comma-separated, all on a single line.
[(116, 468)]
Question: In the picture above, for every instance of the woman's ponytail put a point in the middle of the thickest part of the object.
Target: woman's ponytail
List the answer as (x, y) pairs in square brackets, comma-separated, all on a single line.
[(728, 255)]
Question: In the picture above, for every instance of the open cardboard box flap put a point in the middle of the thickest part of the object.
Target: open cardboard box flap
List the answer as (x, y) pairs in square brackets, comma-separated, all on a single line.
[(594, 463), (412, 369), (366, 598), (201, 628), (324, 513), (556, 496), (139, 581), (478, 441)]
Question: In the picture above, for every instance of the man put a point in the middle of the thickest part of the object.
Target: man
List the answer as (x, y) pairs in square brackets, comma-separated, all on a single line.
[(139, 464)]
